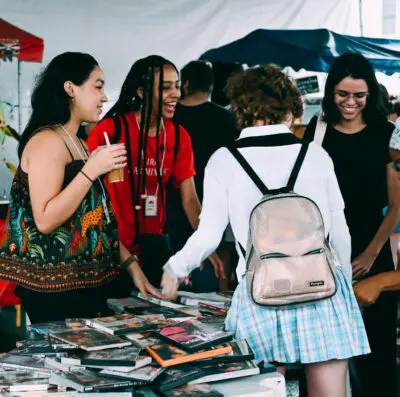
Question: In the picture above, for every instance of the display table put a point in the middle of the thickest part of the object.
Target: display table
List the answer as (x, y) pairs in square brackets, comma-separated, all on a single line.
[(264, 385)]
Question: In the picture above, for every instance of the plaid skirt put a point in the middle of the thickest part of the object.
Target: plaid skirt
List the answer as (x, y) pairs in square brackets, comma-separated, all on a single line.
[(326, 330)]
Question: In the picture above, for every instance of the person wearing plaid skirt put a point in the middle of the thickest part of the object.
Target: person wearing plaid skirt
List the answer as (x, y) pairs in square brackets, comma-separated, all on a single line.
[(321, 335)]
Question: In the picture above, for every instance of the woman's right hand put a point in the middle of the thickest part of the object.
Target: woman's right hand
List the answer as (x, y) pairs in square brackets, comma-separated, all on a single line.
[(105, 159)]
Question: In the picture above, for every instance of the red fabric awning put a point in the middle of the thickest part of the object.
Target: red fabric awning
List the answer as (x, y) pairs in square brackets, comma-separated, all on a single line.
[(15, 42)]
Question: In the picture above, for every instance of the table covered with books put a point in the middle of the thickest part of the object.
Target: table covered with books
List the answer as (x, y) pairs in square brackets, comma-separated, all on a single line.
[(147, 348)]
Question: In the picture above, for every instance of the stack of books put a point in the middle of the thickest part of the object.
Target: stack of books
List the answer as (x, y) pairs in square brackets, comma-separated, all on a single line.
[(173, 349)]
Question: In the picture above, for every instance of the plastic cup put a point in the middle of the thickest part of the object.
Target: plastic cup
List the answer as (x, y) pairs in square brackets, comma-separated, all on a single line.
[(114, 175)]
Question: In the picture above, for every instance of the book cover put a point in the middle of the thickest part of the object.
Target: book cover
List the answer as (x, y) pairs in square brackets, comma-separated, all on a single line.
[(55, 363), (202, 390), (168, 355), (112, 357), (177, 376), (119, 324), (56, 326), (142, 340), (23, 362), (222, 371), (91, 339), (146, 374), (167, 312), (241, 351), (40, 348), (15, 381), (85, 380), (118, 304), (192, 335)]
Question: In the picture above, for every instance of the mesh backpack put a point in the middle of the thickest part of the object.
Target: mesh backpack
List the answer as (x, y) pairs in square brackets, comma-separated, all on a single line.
[(288, 259)]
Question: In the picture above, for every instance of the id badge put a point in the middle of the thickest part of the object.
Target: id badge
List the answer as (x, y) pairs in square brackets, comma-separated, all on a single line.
[(150, 208)]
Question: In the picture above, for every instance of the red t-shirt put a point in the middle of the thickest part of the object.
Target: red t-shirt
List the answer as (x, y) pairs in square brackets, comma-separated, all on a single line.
[(120, 192)]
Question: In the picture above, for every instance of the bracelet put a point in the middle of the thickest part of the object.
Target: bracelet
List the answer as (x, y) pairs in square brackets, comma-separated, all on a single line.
[(129, 260), (91, 180)]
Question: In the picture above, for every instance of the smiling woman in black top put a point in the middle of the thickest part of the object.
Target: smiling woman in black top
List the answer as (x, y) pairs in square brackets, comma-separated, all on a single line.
[(357, 139)]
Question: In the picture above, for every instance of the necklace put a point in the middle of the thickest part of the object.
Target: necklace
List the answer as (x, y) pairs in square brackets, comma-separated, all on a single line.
[(82, 156)]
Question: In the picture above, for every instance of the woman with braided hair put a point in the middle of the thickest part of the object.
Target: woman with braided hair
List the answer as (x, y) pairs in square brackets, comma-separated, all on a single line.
[(158, 152)]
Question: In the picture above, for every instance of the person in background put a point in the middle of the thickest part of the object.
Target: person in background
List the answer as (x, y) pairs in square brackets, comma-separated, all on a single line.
[(61, 246), (357, 139), (158, 152), (321, 335), (210, 127)]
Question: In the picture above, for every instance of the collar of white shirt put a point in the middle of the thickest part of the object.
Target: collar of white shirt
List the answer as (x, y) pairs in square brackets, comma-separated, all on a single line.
[(265, 130)]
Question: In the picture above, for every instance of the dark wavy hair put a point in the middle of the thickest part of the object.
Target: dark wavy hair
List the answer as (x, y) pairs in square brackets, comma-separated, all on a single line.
[(50, 102), (357, 67), (263, 92)]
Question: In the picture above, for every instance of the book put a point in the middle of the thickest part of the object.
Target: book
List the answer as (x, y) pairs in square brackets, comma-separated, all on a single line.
[(192, 335), (56, 326), (146, 374), (119, 324), (203, 390), (91, 339), (222, 371), (71, 393), (156, 301), (41, 348), (126, 357), (241, 351), (14, 381), (212, 298), (85, 380), (118, 304), (55, 363), (176, 376), (167, 312), (212, 309), (168, 355), (143, 339), (23, 363)]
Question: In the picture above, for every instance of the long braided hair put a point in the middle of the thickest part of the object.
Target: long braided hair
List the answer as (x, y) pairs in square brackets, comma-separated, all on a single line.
[(142, 76)]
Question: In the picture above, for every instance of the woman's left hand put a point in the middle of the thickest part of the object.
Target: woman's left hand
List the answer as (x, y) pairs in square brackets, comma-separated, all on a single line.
[(141, 282), (362, 264), (367, 291), (169, 285)]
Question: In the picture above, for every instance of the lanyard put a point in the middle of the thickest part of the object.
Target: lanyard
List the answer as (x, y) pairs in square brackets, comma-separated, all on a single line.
[(162, 160)]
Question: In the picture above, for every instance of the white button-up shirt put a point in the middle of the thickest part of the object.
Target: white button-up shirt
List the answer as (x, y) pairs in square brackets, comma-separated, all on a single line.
[(230, 195)]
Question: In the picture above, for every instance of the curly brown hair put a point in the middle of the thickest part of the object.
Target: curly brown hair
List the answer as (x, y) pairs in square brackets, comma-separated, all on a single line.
[(263, 93)]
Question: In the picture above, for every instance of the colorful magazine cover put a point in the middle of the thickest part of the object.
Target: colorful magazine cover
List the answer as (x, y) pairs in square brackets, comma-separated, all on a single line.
[(91, 339), (192, 335)]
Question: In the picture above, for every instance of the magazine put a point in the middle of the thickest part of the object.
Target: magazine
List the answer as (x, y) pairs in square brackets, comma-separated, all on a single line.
[(222, 371), (192, 335), (85, 380), (23, 363), (142, 340), (146, 374), (56, 326), (14, 381), (167, 312), (90, 339), (202, 390), (126, 357), (118, 304), (241, 351), (177, 376), (119, 324), (168, 355)]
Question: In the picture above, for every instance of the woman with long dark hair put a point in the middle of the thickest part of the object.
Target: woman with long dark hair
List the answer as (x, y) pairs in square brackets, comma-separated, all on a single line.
[(356, 135), (61, 245), (158, 152)]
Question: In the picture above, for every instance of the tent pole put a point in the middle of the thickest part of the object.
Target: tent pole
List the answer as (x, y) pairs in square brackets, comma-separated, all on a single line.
[(360, 8), (19, 96)]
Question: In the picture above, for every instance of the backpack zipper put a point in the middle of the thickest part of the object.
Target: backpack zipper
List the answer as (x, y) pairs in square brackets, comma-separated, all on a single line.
[(279, 255)]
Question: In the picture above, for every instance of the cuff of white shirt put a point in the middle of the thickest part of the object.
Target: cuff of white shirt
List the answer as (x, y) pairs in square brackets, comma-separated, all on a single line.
[(172, 269)]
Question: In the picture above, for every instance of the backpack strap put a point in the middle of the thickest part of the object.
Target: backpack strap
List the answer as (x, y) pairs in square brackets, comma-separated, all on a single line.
[(297, 165), (320, 130), (249, 171)]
